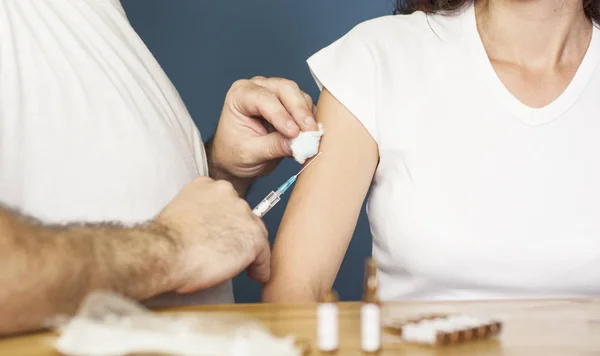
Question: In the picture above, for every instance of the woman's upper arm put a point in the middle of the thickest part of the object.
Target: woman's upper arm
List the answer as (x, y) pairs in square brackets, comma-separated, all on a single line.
[(323, 209)]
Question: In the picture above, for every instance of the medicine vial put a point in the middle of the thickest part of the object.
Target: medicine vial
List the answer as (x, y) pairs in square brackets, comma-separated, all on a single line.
[(370, 312), (328, 323)]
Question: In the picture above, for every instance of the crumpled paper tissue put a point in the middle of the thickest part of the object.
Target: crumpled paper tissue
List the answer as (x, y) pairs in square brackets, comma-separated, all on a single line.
[(111, 325)]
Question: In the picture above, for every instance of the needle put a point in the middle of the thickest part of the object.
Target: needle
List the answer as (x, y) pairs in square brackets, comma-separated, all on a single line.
[(308, 164)]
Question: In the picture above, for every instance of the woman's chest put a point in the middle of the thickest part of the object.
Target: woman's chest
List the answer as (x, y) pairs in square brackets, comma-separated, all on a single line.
[(472, 195)]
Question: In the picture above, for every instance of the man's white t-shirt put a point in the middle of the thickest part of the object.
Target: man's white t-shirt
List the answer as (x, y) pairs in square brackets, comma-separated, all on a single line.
[(91, 128), (476, 195)]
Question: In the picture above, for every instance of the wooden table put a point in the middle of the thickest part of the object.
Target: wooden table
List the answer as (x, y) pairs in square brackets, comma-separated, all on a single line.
[(531, 328)]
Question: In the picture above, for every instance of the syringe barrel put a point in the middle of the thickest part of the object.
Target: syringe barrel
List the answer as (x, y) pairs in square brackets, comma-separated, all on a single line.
[(267, 203)]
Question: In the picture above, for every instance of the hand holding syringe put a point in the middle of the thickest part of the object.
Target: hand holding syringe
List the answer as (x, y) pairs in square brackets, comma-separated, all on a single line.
[(275, 196)]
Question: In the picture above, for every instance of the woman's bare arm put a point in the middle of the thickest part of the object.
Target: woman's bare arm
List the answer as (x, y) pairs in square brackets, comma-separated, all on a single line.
[(324, 207)]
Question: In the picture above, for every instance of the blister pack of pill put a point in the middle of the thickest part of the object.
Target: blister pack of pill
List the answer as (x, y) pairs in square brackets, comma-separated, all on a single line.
[(440, 329)]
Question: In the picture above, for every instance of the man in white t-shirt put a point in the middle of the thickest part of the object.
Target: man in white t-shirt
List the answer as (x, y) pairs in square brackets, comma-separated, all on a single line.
[(92, 130)]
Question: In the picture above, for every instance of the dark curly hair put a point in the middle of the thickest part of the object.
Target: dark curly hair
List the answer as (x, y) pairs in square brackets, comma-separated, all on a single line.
[(405, 7)]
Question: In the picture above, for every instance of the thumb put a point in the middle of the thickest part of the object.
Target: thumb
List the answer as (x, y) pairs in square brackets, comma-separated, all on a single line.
[(271, 146), (260, 270)]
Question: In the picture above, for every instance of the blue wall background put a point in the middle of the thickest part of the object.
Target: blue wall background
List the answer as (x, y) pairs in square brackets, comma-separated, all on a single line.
[(204, 46)]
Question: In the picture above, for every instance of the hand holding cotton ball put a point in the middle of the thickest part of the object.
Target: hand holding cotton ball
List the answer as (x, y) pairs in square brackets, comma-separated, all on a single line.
[(306, 144)]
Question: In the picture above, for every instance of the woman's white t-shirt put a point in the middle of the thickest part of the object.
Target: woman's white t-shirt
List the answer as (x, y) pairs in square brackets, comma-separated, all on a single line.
[(476, 195), (91, 128)]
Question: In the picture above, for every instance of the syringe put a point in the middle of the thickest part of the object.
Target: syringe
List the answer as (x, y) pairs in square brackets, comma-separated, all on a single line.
[(275, 196)]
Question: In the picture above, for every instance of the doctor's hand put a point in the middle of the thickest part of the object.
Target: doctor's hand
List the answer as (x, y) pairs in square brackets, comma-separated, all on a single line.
[(216, 237), (258, 118)]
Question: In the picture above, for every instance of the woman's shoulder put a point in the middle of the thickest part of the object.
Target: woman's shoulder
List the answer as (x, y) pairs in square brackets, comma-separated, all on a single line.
[(396, 51)]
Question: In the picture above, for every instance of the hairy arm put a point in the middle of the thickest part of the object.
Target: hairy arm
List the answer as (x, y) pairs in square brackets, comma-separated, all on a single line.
[(323, 210), (48, 270), (241, 185)]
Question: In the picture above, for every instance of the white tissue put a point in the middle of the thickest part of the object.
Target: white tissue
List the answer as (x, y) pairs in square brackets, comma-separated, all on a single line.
[(110, 325), (306, 144)]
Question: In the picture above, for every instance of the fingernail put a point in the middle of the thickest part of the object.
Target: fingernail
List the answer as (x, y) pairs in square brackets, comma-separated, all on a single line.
[(286, 146), (291, 126), (310, 121)]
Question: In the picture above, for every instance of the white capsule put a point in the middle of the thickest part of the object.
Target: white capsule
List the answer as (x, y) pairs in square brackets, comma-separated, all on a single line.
[(327, 327), (370, 327)]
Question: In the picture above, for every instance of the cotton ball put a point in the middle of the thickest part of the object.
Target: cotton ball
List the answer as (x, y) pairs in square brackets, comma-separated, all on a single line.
[(306, 144)]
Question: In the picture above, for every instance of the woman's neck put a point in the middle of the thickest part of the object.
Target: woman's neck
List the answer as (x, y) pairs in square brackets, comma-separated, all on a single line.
[(538, 34)]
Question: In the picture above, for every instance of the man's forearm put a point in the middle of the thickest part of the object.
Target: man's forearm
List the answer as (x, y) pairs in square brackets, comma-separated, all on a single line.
[(47, 271), (241, 185)]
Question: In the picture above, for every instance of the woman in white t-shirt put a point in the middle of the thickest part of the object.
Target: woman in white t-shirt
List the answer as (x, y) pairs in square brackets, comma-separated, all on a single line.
[(477, 126)]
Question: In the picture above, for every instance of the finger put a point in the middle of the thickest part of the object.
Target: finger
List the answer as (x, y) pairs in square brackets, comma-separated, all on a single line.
[(311, 104), (309, 101), (269, 147), (260, 270), (296, 102), (293, 99), (225, 188), (255, 100)]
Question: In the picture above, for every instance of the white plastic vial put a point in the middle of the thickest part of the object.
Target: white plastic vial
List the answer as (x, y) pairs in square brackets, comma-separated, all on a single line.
[(370, 327), (327, 327)]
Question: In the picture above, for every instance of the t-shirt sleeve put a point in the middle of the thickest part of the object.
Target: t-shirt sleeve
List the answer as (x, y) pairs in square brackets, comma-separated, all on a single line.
[(346, 68)]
